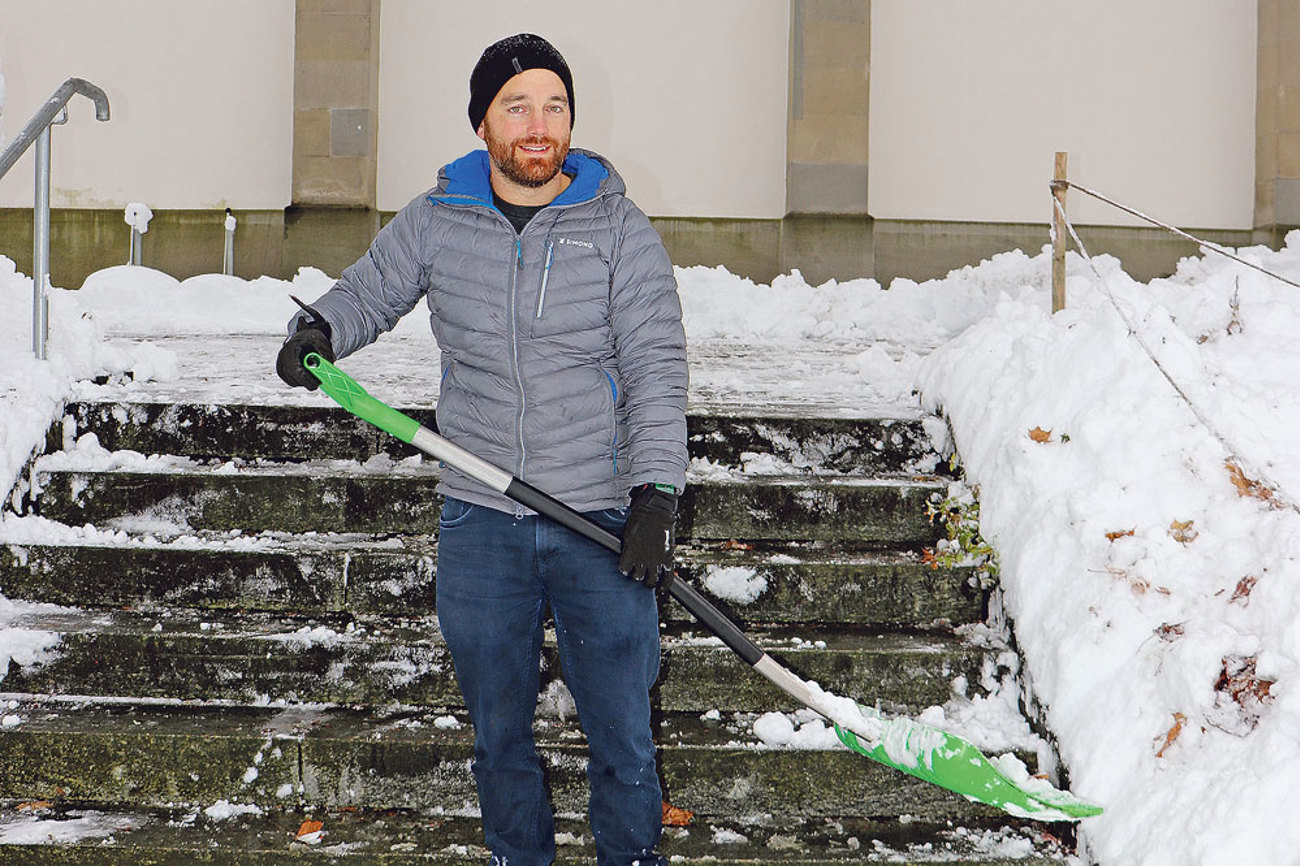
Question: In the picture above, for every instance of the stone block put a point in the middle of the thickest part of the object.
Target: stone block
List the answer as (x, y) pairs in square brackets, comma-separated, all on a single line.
[(829, 139), (334, 36), (836, 90), (826, 188), (1287, 109), (1286, 202), (334, 181), (331, 83), (311, 133), (836, 43), (837, 11), (1288, 155), (351, 132)]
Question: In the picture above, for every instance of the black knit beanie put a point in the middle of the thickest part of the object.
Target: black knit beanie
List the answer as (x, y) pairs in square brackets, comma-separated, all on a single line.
[(502, 61)]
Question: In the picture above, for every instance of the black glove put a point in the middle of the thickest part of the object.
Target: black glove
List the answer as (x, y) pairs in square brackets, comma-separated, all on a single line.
[(648, 537), (312, 335)]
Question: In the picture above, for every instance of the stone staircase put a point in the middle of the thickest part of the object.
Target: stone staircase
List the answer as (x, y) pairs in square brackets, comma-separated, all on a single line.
[(246, 640)]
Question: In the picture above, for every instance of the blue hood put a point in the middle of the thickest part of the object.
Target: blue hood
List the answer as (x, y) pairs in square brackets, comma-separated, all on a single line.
[(470, 178)]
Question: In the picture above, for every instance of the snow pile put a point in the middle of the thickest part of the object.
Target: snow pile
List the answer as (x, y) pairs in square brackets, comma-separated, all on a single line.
[(143, 301), (1148, 550), (36, 828), (223, 810), (719, 305), (734, 583), (1149, 563), (32, 391), (20, 644)]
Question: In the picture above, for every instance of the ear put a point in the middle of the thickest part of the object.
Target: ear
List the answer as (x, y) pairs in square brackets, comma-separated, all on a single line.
[(481, 132)]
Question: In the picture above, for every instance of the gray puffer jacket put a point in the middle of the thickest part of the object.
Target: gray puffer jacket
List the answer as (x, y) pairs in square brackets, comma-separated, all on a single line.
[(563, 352)]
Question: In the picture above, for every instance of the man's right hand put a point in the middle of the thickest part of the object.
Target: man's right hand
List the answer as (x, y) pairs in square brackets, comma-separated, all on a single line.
[(312, 335), (289, 364)]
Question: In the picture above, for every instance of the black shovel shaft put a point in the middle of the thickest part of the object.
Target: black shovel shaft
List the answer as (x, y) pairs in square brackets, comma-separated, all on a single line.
[(698, 606)]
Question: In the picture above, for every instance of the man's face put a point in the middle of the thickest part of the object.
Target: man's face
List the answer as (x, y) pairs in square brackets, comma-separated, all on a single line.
[(527, 128)]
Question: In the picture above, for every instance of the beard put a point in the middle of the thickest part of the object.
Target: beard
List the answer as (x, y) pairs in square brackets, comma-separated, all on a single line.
[(525, 170)]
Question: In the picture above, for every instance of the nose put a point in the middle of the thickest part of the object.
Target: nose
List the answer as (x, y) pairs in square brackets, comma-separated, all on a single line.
[(536, 123)]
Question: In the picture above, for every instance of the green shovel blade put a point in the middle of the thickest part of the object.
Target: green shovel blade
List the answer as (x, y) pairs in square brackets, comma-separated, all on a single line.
[(345, 391), (950, 762)]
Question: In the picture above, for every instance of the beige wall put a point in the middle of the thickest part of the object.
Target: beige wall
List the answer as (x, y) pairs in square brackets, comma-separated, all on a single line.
[(1154, 101), (687, 99), (201, 97)]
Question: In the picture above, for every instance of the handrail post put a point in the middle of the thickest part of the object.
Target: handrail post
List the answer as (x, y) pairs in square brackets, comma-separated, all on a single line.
[(41, 247), (1059, 186), (37, 132)]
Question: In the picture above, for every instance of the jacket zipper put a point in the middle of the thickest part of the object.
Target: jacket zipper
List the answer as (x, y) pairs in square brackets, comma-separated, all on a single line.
[(613, 393), (514, 348), (546, 275)]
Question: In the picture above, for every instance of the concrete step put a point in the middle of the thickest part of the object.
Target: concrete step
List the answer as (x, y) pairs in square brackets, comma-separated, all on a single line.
[(258, 657), (852, 446), (335, 758), (357, 574), (885, 512), (97, 836)]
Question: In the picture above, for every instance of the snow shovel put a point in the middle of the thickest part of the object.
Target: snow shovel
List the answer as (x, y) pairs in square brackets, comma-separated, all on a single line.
[(919, 750)]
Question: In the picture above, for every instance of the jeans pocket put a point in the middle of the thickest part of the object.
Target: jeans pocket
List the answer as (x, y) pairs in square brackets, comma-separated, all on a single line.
[(454, 512), (609, 519)]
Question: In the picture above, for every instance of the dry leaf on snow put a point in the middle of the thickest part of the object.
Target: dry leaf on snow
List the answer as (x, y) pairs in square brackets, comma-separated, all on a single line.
[(1240, 696), (1183, 531), (1172, 734), (1239, 681), (1171, 631), (1038, 434), (1118, 534), (1245, 486), (1242, 592)]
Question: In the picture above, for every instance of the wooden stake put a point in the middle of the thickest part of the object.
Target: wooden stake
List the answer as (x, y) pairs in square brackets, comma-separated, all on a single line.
[(1058, 234)]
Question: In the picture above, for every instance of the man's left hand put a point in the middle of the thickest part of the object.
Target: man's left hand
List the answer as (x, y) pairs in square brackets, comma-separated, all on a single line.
[(649, 536)]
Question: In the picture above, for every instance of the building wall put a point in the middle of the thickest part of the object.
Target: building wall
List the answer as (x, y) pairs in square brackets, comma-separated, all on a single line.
[(335, 102), (1277, 124), (688, 99), (840, 137), (1154, 101), (201, 97)]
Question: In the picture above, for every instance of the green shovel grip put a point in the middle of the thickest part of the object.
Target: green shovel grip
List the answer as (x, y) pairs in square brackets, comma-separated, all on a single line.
[(347, 393)]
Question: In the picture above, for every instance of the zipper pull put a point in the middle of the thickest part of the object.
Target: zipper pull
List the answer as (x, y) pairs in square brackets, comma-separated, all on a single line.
[(519, 254)]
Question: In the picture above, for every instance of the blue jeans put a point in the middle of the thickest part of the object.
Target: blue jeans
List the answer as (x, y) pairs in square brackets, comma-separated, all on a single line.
[(496, 575)]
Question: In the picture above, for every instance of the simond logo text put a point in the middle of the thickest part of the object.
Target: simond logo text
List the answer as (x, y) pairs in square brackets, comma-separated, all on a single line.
[(572, 243)]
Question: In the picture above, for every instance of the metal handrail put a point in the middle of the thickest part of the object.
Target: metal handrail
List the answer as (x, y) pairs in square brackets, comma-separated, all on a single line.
[(37, 131)]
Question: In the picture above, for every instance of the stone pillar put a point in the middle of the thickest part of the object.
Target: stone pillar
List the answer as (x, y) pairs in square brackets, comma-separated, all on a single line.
[(1277, 116), (336, 102), (830, 61)]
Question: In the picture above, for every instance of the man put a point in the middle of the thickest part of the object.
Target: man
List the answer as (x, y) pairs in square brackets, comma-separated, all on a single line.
[(555, 308)]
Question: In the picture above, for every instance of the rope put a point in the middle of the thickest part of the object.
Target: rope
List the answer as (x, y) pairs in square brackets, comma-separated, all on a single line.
[(1255, 471), (1223, 251)]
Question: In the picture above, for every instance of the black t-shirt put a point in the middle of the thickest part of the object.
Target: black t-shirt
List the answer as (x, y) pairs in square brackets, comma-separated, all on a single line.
[(518, 214)]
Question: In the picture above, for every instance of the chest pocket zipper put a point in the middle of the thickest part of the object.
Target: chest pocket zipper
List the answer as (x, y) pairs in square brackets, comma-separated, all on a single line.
[(546, 276)]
